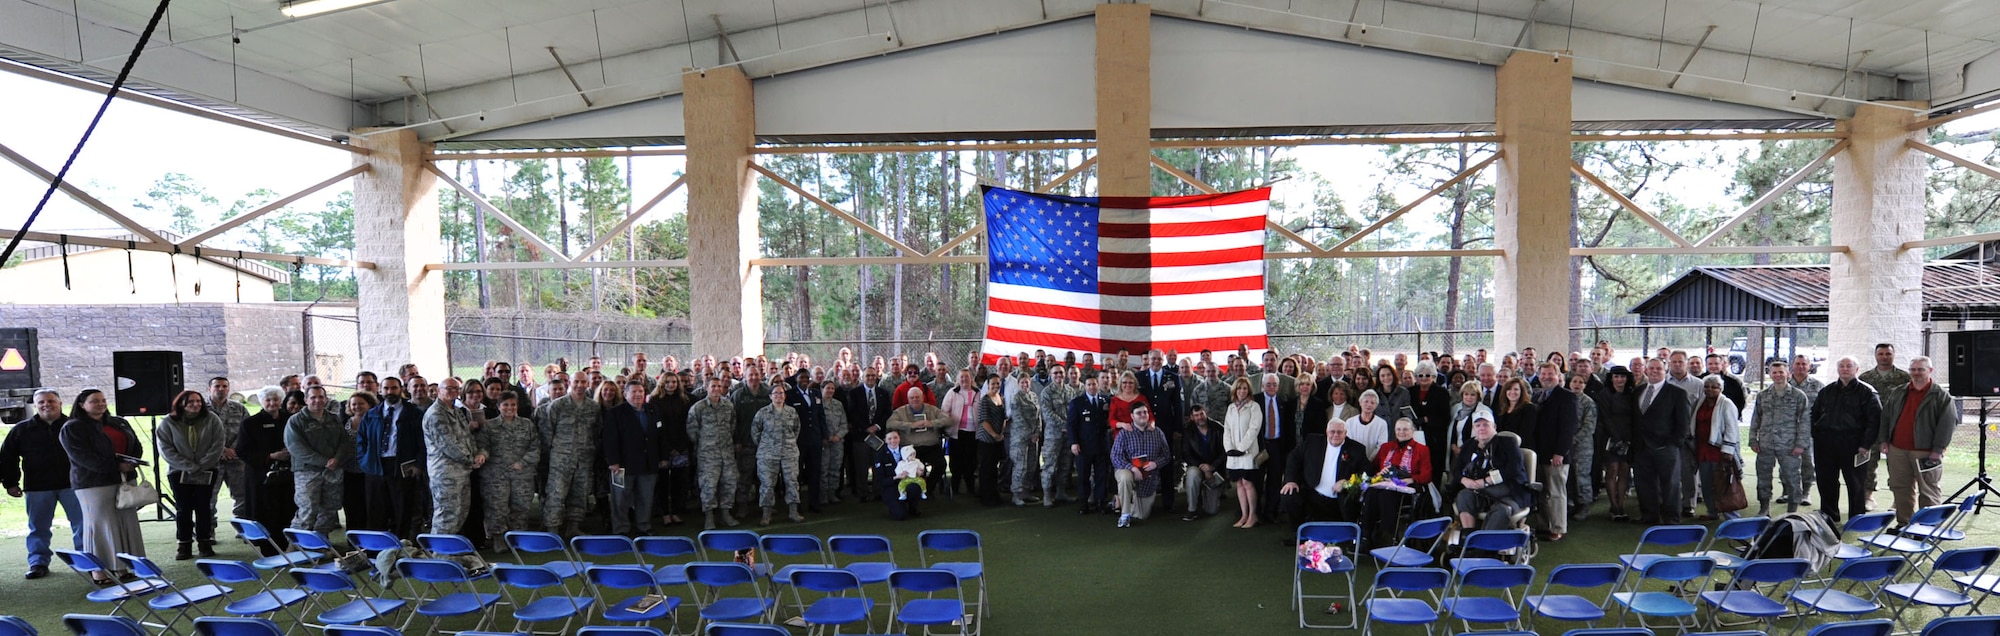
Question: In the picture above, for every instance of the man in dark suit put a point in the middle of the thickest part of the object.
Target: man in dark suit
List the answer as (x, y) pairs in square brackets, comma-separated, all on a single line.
[(1089, 425), (1316, 487), (1555, 434), (1280, 434), (868, 406), (812, 431), (901, 505), (389, 449), (1662, 427), (1161, 385), (630, 449)]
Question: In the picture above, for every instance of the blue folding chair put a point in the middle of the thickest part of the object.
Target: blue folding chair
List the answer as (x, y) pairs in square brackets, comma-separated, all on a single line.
[(930, 611), (1396, 610), (1500, 609), (267, 601), (802, 550), (1573, 608), (255, 533), (608, 546), (744, 629), (173, 598), (680, 550), (1745, 596), (720, 577), (568, 567), (1949, 531), (1662, 539), (1864, 578), (1886, 541), (535, 606), (1329, 533), (95, 625), (336, 600), (1495, 541), (1675, 571), (1741, 529), (451, 593), (14, 626), (834, 606), (85, 565), (723, 545), (599, 630), (361, 630), (864, 545), (1862, 524), (237, 625), (374, 541), (636, 608), (1402, 555), (1876, 627), (1973, 562), (930, 541), (1963, 626), (1610, 631)]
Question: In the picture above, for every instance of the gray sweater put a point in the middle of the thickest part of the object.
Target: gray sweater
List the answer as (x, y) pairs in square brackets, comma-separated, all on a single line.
[(190, 445)]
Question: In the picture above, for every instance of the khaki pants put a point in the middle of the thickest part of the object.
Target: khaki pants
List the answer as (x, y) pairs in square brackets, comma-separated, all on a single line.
[(1129, 501), (1555, 507), (1911, 486)]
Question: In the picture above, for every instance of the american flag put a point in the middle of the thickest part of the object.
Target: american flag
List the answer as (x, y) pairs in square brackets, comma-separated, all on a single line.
[(1100, 274)]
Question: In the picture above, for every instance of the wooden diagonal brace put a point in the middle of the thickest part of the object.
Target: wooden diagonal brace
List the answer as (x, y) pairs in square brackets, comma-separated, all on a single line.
[(519, 230), (1182, 175), (253, 215), (1628, 204), (830, 209), (82, 197), (1066, 176), (630, 219), (1773, 194), (1950, 156), (1385, 220)]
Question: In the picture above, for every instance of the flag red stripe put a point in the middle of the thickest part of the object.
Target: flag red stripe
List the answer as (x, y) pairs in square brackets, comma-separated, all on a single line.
[(1196, 201), (1246, 283), (1203, 228), (1126, 318), (1055, 341), (1181, 259)]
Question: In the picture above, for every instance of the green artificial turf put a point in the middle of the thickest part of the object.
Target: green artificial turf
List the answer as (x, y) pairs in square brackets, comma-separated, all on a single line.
[(1050, 570)]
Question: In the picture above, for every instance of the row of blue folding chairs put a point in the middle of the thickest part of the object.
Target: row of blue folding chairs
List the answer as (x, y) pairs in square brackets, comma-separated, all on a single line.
[(106, 625)]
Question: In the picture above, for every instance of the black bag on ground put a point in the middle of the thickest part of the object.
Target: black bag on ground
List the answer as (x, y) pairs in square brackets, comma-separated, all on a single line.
[(1796, 536)]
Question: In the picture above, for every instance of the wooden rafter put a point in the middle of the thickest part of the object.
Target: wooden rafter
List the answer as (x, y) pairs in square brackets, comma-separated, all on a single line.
[(630, 219), (511, 155), (171, 248), (542, 265), (1923, 124), (1385, 254), (1953, 240), (519, 230), (1953, 157), (253, 215), (1678, 136), (830, 209), (82, 197), (1313, 250), (1713, 249), (1772, 195), (1067, 175), (788, 261), (1182, 175), (1628, 204), (1391, 217)]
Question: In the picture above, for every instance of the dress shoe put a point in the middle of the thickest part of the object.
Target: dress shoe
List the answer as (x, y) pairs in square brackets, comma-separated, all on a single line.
[(207, 550), (36, 572)]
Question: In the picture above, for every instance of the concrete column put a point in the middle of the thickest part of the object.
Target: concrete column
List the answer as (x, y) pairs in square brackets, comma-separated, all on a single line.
[(1124, 100), (1878, 203), (1531, 219), (396, 227), (726, 300)]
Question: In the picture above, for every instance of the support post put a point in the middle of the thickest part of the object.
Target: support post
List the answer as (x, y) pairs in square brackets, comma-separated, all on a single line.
[(1124, 100), (396, 227), (1878, 205), (1532, 205), (726, 290)]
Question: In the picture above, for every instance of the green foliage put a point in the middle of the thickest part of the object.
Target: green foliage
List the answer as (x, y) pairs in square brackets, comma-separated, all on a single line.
[(181, 199)]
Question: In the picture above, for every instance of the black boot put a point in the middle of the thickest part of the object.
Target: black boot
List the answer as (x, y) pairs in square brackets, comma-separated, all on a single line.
[(184, 552)]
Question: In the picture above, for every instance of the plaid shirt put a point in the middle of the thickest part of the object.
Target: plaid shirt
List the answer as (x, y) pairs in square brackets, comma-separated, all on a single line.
[(1149, 444)]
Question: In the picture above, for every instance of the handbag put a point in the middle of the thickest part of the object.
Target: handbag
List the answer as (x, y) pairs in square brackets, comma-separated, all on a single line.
[(1729, 496), (1262, 456), (279, 475), (136, 494)]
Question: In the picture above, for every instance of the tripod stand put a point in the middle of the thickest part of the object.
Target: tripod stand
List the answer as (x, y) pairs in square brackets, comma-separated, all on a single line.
[(1983, 481), (167, 509)]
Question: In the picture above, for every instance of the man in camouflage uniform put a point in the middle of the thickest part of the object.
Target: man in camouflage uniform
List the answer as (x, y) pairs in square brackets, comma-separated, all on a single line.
[(833, 450), (712, 428), (1211, 391), (1056, 460), (1024, 409), (776, 429), (1884, 377), (1779, 434), (569, 426), (232, 414), (514, 444), (1802, 380), (453, 456), (750, 396), (321, 450)]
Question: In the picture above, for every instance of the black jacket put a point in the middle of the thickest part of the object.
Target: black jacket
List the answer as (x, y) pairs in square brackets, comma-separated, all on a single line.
[(629, 442), (1667, 423), (812, 417), (1555, 430), (1307, 461), (859, 416), (1164, 398), (1288, 419), (1090, 424), (670, 416), (1197, 449), (1524, 422), (32, 458), (92, 460), (1848, 408), (1502, 456)]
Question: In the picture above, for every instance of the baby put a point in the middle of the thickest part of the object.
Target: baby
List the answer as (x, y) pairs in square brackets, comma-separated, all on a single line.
[(910, 471)]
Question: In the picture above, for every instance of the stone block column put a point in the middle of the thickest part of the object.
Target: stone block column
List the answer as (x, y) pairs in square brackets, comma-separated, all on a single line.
[(1878, 204), (1531, 219), (726, 303), (1124, 100), (396, 227)]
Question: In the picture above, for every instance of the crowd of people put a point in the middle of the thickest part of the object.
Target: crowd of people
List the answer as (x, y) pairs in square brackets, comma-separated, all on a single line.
[(1351, 437)]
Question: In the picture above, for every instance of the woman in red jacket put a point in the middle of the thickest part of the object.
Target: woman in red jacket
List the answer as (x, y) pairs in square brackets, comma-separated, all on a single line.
[(1405, 466)]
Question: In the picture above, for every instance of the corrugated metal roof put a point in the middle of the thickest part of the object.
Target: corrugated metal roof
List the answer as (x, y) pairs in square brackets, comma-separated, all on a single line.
[(1806, 288)]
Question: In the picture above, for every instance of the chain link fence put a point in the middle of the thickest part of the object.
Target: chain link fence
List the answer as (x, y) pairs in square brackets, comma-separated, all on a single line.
[(540, 337), (332, 343)]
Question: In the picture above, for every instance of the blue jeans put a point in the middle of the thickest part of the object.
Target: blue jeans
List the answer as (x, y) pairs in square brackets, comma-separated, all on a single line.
[(41, 521)]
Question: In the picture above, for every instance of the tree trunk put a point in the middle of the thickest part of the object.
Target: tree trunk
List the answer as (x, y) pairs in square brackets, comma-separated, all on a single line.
[(1454, 266), (1576, 264), (902, 221), (479, 238)]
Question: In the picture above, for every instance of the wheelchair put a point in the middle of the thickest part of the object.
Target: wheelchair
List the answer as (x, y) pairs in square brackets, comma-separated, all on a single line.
[(1517, 521)]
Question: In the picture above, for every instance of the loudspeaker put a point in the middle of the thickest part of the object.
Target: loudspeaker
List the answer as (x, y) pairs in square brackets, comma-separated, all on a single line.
[(147, 381), (1973, 359)]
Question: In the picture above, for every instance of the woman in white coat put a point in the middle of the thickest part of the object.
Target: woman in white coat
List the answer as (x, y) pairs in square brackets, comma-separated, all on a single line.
[(1240, 427), (1716, 446)]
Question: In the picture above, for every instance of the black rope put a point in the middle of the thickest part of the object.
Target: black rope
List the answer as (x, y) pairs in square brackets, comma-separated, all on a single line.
[(131, 273), (63, 243), (123, 73), (174, 272)]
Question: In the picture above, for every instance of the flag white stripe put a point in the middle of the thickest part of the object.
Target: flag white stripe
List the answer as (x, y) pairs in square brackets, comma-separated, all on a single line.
[(1038, 324), (1181, 302), (1172, 244), (1185, 215), (1185, 274)]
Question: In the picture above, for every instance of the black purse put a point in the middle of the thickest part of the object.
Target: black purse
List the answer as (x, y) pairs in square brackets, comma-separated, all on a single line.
[(280, 474)]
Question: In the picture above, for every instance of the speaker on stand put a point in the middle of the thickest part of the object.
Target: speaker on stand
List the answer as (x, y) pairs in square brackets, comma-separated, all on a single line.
[(146, 383), (1973, 359)]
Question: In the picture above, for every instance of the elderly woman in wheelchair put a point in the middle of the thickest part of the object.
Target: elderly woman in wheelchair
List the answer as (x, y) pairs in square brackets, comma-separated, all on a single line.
[(1494, 474)]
